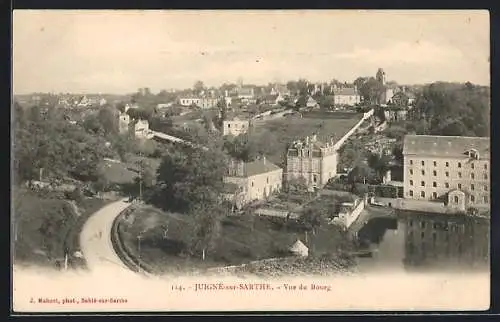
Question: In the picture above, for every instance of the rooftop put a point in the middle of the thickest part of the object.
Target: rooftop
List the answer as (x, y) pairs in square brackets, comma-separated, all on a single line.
[(346, 91), (310, 141), (245, 91), (235, 119), (446, 146), (253, 168)]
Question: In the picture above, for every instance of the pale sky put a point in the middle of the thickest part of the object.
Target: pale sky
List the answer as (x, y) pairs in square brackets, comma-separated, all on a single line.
[(120, 51)]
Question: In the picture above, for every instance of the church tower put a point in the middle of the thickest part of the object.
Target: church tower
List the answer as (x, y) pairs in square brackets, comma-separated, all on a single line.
[(381, 76)]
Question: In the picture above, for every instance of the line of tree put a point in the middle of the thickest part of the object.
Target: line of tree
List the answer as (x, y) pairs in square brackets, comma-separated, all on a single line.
[(46, 143), (452, 109)]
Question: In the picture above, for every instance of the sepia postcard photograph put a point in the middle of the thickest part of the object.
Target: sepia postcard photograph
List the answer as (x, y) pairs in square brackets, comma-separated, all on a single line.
[(250, 160)]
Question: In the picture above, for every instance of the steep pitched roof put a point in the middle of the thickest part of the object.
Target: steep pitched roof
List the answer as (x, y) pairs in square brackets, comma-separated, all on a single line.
[(311, 100), (259, 167), (299, 247), (254, 167), (246, 91), (446, 146)]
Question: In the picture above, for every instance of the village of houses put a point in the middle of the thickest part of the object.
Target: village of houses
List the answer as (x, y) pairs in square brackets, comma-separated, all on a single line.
[(432, 167)]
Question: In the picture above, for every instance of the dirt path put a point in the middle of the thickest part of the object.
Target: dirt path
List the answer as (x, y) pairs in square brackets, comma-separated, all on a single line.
[(95, 240)]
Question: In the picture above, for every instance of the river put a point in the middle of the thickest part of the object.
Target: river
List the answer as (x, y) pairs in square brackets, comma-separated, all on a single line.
[(417, 241)]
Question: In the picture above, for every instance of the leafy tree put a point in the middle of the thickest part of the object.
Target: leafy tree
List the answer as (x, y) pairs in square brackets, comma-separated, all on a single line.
[(188, 177), (360, 81), (227, 87), (349, 155), (311, 219), (241, 147), (396, 132), (52, 227), (399, 100), (140, 114), (452, 109), (362, 173), (325, 101), (207, 229), (298, 87), (143, 182), (371, 91), (397, 151), (120, 107), (380, 164), (198, 87), (56, 147), (301, 101), (222, 107), (93, 125), (109, 120), (148, 148)]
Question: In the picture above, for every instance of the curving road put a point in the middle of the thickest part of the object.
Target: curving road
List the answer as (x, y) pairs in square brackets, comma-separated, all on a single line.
[(95, 240)]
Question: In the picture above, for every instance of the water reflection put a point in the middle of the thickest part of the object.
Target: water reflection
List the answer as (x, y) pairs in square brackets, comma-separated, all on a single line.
[(418, 241)]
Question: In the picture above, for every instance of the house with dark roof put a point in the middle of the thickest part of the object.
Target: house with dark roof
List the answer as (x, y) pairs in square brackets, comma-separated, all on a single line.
[(246, 93), (269, 99), (312, 160), (249, 181), (346, 96), (434, 166)]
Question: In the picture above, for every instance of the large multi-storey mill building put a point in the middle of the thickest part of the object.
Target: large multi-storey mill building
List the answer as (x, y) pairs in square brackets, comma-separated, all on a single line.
[(449, 168)]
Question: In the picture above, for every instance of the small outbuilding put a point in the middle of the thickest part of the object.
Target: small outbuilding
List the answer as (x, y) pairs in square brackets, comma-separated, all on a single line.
[(299, 249)]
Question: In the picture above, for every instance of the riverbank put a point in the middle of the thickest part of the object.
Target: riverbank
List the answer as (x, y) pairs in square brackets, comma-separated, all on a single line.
[(163, 247)]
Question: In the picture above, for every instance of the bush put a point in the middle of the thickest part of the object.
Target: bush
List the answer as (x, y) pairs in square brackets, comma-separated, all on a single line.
[(386, 191), (76, 195), (339, 186)]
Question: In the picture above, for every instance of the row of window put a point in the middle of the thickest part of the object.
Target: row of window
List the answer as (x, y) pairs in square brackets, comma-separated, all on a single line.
[(456, 199), (434, 236), (459, 174), (447, 185), (236, 125), (267, 181), (435, 225), (447, 164)]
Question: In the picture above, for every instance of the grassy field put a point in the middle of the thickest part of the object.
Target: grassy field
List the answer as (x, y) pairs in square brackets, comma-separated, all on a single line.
[(46, 226), (280, 132), (120, 173), (243, 239)]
